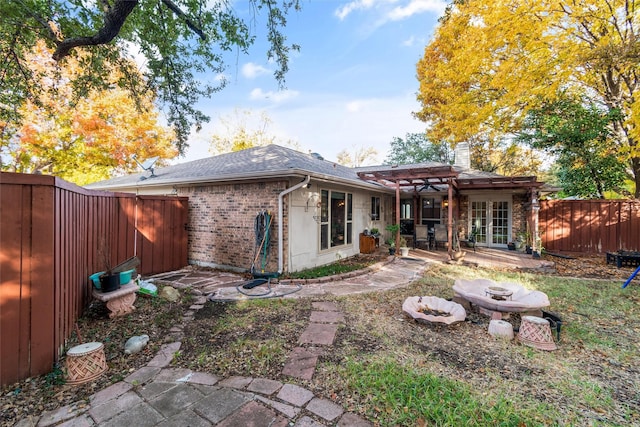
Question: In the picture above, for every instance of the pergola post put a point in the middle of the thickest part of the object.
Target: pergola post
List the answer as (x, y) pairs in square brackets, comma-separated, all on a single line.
[(535, 210), (398, 214), (450, 217)]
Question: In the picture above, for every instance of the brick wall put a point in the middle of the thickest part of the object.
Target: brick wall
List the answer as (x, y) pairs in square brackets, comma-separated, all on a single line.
[(519, 220), (221, 223)]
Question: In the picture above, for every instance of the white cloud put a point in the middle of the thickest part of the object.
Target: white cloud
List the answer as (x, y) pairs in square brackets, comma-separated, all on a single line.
[(407, 9), (409, 42), (415, 7), (277, 97), (355, 106), (344, 11), (251, 70)]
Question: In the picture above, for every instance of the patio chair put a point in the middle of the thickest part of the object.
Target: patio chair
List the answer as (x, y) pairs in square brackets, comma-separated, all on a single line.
[(421, 235), (440, 235)]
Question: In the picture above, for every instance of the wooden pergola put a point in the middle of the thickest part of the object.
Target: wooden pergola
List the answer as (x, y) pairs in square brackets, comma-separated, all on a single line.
[(414, 177)]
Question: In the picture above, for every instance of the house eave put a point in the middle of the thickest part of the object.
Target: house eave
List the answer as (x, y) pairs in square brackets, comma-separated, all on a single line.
[(158, 182)]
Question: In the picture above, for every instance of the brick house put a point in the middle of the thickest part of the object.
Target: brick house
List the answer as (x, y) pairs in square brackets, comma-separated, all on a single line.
[(317, 209)]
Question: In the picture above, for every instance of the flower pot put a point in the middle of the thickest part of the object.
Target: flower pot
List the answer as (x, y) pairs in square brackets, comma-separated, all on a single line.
[(529, 250), (110, 283), (404, 251), (392, 251), (511, 246)]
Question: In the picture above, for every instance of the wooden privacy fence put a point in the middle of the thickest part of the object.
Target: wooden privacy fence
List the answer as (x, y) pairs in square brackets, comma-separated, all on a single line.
[(590, 226), (53, 235)]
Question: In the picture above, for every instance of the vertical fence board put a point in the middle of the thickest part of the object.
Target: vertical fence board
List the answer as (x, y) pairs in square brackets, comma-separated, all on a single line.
[(11, 230), (41, 346), (25, 280)]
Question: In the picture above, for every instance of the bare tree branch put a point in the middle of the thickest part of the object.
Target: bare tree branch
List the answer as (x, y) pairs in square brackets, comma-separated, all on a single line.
[(114, 18)]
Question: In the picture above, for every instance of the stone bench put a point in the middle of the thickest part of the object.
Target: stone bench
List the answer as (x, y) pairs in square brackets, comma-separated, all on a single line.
[(119, 302)]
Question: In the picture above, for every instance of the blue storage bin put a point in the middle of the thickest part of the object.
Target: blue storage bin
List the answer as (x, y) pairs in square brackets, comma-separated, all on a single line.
[(125, 276), (95, 279)]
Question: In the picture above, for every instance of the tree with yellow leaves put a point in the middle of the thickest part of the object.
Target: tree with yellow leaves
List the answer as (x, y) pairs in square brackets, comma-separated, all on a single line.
[(82, 140), (358, 156), (490, 63), (245, 129)]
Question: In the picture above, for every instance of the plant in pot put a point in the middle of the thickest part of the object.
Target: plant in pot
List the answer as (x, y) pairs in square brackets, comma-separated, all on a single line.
[(393, 229), (392, 246), (109, 281), (404, 250), (527, 239)]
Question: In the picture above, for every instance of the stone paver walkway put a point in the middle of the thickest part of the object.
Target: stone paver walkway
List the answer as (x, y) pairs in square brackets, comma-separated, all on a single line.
[(320, 333), (157, 395)]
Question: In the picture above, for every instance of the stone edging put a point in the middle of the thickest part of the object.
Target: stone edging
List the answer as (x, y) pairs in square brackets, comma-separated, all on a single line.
[(371, 269)]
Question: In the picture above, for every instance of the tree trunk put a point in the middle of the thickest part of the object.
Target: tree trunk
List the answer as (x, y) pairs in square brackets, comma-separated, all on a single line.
[(635, 166)]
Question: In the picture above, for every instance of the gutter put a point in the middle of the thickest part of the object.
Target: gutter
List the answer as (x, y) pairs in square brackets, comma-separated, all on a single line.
[(281, 219), (160, 181)]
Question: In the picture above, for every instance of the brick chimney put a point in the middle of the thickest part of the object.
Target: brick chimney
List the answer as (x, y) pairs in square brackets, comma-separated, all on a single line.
[(462, 158)]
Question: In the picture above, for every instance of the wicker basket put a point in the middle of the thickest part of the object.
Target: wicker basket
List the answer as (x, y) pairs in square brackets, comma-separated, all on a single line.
[(85, 362), (536, 332)]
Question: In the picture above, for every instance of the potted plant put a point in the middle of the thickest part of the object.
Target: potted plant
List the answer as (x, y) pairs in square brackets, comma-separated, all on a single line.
[(392, 246), (109, 281), (393, 229), (375, 232), (404, 250), (538, 252)]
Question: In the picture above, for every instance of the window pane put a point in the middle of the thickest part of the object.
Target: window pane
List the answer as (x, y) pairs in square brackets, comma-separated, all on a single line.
[(479, 220), (500, 228), (406, 209), (324, 210), (375, 208), (349, 216), (338, 215), (324, 236), (430, 209)]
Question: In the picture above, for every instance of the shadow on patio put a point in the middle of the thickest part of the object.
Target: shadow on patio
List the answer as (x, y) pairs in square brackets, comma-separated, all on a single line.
[(488, 258)]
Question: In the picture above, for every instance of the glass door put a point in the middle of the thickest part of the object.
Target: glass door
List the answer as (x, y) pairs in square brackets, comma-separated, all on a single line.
[(479, 220), (490, 221), (500, 222)]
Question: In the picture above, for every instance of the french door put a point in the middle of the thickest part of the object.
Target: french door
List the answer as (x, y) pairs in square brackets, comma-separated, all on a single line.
[(490, 221)]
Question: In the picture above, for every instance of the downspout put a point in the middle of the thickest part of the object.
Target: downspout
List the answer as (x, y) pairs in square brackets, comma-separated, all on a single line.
[(281, 219)]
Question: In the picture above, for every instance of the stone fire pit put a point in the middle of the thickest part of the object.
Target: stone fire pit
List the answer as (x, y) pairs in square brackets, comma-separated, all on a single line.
[(500, 297), (433, 309)]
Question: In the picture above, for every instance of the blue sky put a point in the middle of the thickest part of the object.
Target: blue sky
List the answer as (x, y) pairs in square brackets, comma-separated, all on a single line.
[(352, 85)]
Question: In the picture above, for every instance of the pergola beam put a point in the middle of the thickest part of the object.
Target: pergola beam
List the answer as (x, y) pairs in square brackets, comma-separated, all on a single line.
[(410, 178)]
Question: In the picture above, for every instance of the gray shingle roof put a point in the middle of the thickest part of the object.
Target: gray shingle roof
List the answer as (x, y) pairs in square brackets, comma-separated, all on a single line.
[(268, 161)]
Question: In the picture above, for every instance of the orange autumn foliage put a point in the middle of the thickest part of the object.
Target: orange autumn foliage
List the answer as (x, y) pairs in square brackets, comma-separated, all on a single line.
[(88, 139)]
